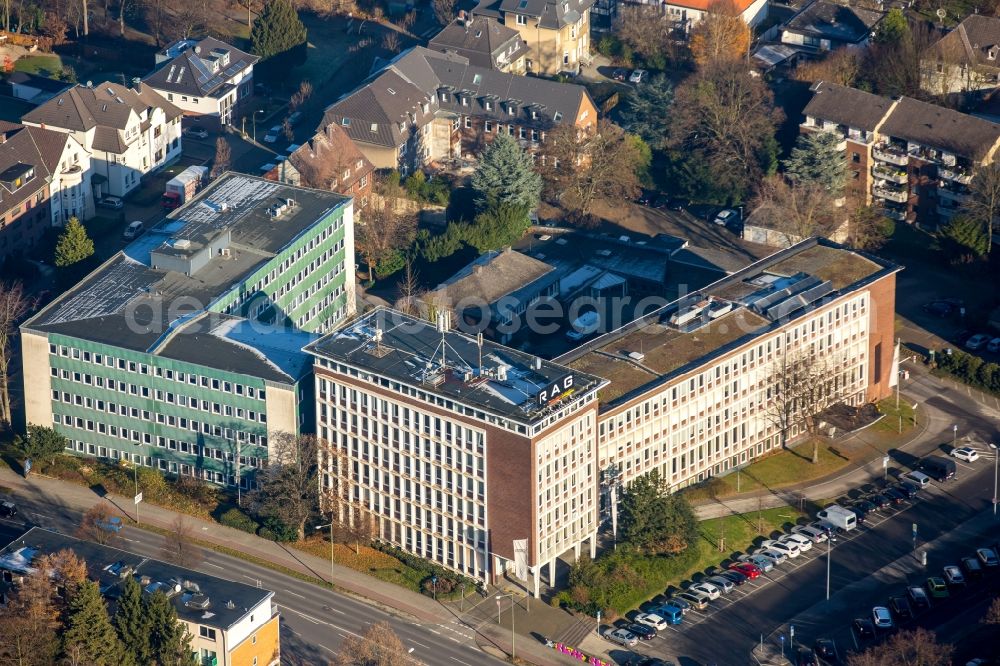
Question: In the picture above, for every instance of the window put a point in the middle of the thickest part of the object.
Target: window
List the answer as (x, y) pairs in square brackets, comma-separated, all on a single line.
[(522, 19), (855, 157), (207, 632)]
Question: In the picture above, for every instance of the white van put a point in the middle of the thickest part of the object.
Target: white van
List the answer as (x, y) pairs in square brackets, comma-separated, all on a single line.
[(134, 229), (918, 478), (840, 517)]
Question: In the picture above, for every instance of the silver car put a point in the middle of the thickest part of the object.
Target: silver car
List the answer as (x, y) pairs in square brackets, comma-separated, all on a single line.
[(623, 637), (775, 556), (723, 584), (762, 562)]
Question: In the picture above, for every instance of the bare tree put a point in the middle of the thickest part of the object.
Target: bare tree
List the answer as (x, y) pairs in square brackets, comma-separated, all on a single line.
[(993, 612), (444, 10), (386, 227), (352, 521), (408, 289), (178, 546), (29, 620), (648, 30), (868, 229), (983, 204), (796, 212), (721, 35), (378, 646), (912, 648), (841, 66), (391, 41), (96, 525), (13, 308), (301, 96), (67, 570), (223, 157), (288, 487)]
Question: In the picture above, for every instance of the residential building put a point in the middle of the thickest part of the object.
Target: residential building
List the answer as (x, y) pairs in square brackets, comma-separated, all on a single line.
[(557, 32), (425, 107), (916, 159), (34, 88), (183, 351), (964, 60), (484, 41), (455, 447), (826, 25), (128, 132), (687, 13), (207, 79), (329, 161), (229, 623), (457, 450)]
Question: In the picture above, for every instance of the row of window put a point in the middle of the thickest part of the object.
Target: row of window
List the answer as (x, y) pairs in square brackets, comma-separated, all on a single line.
[(162, 464)]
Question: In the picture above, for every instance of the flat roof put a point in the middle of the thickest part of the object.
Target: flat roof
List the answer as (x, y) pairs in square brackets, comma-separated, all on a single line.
[(723, 315), (222, 603), (414, 352), (131, 303)]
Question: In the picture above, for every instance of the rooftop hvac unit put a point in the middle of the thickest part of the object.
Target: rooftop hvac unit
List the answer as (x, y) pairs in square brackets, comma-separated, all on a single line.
[(501, 373), (636, 356)]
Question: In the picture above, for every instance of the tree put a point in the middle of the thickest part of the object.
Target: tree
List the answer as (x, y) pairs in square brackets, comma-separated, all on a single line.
[(796, 211), (841, 66), (444, 10), (993, 612), (722, 133), (817, 159), (505, 175), (653, 520), (802, 384), (288, 488), (583, 166), (74, 244), (964, 240), (88, 628), (893, 65), (894, 27), (983, 204), (66, 570), (386, 225), (904, 648), (647, 111), (13, 307), (352, 521), (868, 229), (378, 646), (498, 227), (93, 525), (721, 35), (41, 444), (301, 96), (169, 640), (178, 547), (29, 620), (647, 30), (277, 30), (132, 622), (223, 157)]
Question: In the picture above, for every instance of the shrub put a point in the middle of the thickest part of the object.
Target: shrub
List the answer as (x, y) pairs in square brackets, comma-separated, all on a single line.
[(390, 264), (239, 520), (275, 530), (434, 191), (971, 370), (447, 581)]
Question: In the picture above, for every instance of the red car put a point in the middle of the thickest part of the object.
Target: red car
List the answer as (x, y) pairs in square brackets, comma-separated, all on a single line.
[(751, 571)]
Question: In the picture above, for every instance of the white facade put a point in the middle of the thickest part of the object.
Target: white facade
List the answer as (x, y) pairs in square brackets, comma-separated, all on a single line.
[(71, 194), (690, 15), (238, 87)]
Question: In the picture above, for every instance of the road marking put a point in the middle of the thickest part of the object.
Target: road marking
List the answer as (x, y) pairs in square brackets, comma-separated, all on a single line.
[(433, 631), (210, 564), (326, 648), (421, 645), (460, 661), (129, 540), (294, 594)]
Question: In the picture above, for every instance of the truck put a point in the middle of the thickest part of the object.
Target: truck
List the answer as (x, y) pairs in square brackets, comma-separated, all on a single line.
[(839, 517), (182, 187)]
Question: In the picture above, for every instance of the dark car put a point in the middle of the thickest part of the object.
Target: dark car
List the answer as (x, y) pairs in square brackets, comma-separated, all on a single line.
[(895, 496), (900, 607), (680, 603), (806, 657), (940, 308), (918, 598), (737, 577), (862, 508), (908, 489), (880, 501), (826, 650), (619, 74), (972, 567), (642, 631), (8, 509), (677, 203), (863, 628)]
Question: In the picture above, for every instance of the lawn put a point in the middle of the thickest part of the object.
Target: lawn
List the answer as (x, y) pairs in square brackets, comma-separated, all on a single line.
[(368, 561), (44, 65)]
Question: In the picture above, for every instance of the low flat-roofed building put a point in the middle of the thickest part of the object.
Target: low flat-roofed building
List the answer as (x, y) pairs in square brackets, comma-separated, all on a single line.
[(183, 351), (230, 623)]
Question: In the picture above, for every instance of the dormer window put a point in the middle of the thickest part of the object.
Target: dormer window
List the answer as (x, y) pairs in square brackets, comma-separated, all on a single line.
[(534, 114), (402, 127), (991, 53), (426, 108), (444, 97), (346, 122), (465, 101), (374, 127), (358, 164), (512, 109), (16, 176), (478, 78), (489, 105)]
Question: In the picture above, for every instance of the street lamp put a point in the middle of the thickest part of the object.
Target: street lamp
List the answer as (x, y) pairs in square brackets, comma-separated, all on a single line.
[(255, 124), (954, 436), (318, 528), (829, 545), (996, 457), (513, 658)]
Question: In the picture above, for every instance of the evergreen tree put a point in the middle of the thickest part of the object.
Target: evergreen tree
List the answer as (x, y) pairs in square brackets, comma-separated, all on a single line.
[(505, 175), (132, 622), (170, 643), (498, 227), (965, 240), (647, 111), (277, 30), (89, 633), (894, 28), (653, 520), (817, 159), (74, 245)]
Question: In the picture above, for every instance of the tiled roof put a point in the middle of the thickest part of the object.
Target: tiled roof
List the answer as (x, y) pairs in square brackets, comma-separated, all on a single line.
[(552, 14), (847, 106), (834, 21), (972, 42), (481, 39), (944, 129), (24, 147), (199, 68), (333, 146), (106, 105)]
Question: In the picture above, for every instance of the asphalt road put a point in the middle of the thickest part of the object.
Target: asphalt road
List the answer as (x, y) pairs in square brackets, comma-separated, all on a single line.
[(729, 629), (314, 620)]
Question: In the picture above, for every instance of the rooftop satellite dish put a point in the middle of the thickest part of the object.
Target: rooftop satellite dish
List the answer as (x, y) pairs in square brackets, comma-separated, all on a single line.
[(941, 13)]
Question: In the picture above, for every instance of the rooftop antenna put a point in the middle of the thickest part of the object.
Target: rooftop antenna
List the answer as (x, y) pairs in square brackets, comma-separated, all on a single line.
[(443, 325), (378, 340), (479, 342)]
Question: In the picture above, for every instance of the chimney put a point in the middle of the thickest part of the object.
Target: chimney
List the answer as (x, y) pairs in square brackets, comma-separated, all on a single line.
[(137, 84)]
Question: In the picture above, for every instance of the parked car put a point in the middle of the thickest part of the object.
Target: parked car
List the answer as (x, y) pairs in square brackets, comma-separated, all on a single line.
[(826, 650), (114, 203), (953, 575), (776, 556), (805, 657), (966, 453), (977, 341), (747, 569), (272, 134), (676, 203), (880, 501), (619, 74), (988, 557), (940, 308), (195, 132), (993, 345), (765, 564), (918, 479), (894, 495), (863, 628), (863, 508), (113, 524), (790, 549), (802, 542), (651, 620), (133, 230), (936, 587), (638, 76), (725, 217), (882, 618), (676, 603), (8, 509), (697, 600), (900, 606), (918, 598), (671, 612), (972, 567), (811, 533), (724, 584), (622, 637), (643, 631), (824, 527), (907, 488), (735, 577)]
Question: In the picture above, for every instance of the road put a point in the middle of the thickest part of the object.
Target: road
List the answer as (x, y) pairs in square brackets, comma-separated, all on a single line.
[(313, 620), (729, 629)]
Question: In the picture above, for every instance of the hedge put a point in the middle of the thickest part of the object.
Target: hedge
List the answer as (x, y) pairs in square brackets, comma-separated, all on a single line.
[(970, 369), (447, 581), (237, 519)]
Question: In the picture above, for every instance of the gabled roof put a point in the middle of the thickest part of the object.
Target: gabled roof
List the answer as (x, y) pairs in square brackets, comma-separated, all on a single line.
[(329, 149), (847, 106), (24, 149), (491, 276), (483, 40), (109, 105), (199, 68), (553, 14), (972, 42), (944, 129), (834, 21)]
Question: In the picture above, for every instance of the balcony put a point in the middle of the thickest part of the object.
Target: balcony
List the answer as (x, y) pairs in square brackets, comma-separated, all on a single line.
[(890, 195), (894, 214), (897, 176), (957, 174), (890, 154), (946, 212), (945, 192)]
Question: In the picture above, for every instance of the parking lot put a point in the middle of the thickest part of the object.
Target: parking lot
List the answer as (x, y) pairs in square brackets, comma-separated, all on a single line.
[(878, 556)]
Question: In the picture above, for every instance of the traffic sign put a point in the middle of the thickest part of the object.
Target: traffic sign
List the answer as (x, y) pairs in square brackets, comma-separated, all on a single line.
[(791, 630), (885, 462), (138, 498), (914, 530)]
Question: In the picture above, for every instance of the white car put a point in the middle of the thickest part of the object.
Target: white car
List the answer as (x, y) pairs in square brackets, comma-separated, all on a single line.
[(977, 341), (776, 556), (638, 76), (802, 542), (966, 453), (790, 549), (724, 217), (273, 134), (811, 533), (651, 620), (707, 589), (882, 617)]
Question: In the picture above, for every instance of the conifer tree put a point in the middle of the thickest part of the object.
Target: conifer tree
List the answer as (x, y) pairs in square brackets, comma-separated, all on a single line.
[(505, 175), (73, 245), (89, 634), (132, 622), (277, 30), (170, 643)]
